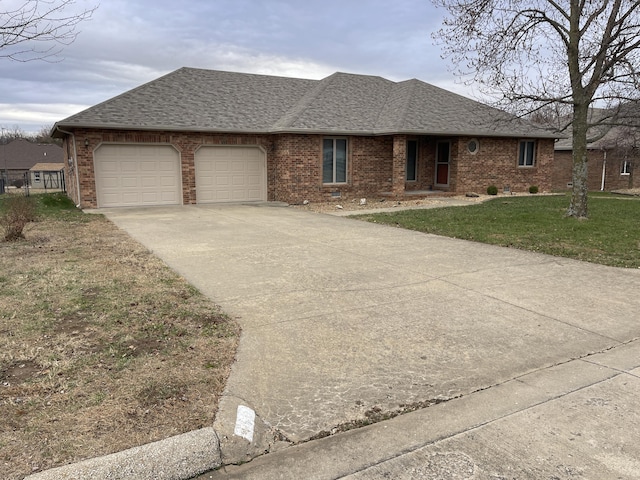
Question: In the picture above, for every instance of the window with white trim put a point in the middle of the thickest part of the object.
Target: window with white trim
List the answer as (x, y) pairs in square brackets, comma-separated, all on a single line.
[(334, 160), (412, 160), (527, 153), (626, 167), (36, 176)]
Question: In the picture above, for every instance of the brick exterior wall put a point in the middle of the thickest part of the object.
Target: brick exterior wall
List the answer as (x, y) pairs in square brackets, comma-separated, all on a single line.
[(376, 165), (614, 180), (496, 163)]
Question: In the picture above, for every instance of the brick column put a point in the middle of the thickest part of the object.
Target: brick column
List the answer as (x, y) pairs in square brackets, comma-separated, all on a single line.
[(398, 173)]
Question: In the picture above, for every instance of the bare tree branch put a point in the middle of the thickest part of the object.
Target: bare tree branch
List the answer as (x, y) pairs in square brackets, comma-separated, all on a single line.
[(530, 54), (39, 29)]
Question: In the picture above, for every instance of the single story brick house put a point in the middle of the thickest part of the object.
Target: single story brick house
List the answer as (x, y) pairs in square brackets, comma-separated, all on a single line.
[(203, 136)]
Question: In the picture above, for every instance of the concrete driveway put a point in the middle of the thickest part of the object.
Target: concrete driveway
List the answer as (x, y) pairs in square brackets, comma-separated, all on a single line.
[(344, 319)]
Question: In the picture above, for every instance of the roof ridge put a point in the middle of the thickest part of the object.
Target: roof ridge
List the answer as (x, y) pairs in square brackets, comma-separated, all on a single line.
[(407, 101), (295, 112)]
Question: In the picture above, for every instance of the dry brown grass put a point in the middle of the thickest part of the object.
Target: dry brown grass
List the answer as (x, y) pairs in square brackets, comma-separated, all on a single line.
[(102, 347)]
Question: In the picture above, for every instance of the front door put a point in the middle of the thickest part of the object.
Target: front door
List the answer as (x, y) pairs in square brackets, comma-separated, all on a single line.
[(443, 154)]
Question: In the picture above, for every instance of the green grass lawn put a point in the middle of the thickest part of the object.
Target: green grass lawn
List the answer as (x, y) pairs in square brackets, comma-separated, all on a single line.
[(611, 235)]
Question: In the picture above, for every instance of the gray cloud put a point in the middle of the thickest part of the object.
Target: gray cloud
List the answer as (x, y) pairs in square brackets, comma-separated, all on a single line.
[(128, 43)]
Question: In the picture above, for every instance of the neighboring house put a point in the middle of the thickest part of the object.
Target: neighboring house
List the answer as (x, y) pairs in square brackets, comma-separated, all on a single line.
[(202, 136), (19, 155), (48, 176), (611, 160)]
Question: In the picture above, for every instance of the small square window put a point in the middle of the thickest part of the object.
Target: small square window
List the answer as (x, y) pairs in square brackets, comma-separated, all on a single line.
[(527, 153)]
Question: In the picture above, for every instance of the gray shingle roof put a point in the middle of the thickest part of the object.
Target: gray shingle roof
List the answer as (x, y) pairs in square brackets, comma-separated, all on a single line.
[(21, 154), (608, 136), (214, 101)]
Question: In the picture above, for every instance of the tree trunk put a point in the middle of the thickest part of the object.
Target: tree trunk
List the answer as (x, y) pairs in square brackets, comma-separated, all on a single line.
[(578, 205)]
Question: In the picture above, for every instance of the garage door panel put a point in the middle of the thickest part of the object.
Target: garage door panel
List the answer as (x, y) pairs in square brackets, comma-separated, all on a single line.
[(253, 180), (150, 182), (110, 182), (168, 181), (127, 182), (167, 197), (220, 166), (109, 166), (151, 166), (129, 175), (128, 165), (230, 174), (127, 198), (166, 166), (239, 180)]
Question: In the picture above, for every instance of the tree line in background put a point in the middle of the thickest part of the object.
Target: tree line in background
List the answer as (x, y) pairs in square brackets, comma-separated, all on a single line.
[(7, 135)]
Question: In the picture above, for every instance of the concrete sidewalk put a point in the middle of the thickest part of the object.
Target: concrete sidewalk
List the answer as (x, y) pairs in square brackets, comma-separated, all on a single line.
[(579, 419), (343, 318)]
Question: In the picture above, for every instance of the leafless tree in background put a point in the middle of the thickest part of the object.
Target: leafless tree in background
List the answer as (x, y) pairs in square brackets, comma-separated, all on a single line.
[(38, 29), (7, 135), (532, 55)]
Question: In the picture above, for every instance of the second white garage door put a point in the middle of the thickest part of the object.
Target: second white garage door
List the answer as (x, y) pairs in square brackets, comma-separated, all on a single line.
[(135, 175), (230, 174)]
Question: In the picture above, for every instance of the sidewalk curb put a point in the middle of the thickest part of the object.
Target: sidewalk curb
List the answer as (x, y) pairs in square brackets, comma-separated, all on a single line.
[(175, 458)]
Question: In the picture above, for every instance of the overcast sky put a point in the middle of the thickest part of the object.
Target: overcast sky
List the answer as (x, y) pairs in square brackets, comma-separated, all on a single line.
[(130, 42)]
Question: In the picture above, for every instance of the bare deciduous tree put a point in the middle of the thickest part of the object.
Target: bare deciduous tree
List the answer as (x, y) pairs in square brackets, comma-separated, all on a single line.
[(38, 29), (44, 136), (8, 135), (530, 54)]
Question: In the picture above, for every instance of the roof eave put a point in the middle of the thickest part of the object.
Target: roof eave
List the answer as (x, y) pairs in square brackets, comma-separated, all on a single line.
[(59, 127), (156, 128)]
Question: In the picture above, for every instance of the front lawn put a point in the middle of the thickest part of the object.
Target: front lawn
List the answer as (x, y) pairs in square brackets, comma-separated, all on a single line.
[(102, 347), (611, 236)]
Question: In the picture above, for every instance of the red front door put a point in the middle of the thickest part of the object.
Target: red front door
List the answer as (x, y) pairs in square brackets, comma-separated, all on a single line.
[(442, 163)]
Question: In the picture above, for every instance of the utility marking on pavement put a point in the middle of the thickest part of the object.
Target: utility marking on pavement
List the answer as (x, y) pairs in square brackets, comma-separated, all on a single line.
[(245, 422)]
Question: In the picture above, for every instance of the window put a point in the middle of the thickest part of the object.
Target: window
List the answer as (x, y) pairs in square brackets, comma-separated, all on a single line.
[(412, 160), (626, 168), (473, 146), (527, 153), (334, 160), (36, 176)]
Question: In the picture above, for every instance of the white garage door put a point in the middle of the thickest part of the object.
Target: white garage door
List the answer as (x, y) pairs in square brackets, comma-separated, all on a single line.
[(132, 175), (230, 174)]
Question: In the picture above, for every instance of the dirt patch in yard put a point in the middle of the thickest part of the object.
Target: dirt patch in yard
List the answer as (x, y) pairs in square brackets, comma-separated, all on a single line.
[(102, 347)]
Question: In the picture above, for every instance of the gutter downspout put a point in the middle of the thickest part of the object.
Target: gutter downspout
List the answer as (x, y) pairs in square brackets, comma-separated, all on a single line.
[(604, 169), (75, 162)]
